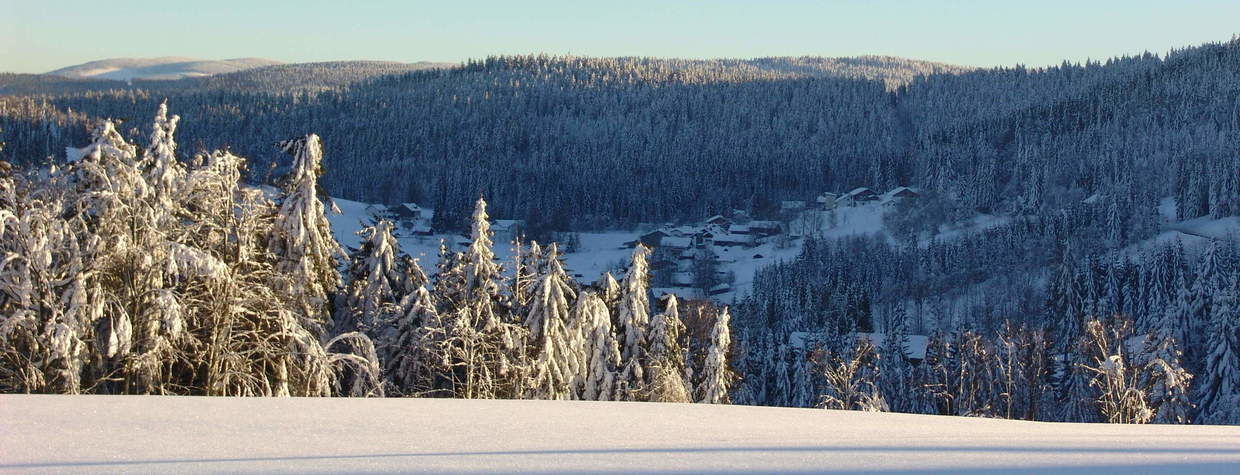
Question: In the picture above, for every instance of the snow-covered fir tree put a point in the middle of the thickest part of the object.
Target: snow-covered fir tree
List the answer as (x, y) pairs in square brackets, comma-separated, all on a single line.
[(481, 272), (893, 362), (301, 237), (665, 361), (372, 288), (600, 351), (632, 319), (414, 361), (717, 375), (556, 353), (1218, 387)]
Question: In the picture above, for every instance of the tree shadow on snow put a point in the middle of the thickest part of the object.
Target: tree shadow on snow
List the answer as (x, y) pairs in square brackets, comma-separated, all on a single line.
[(982, 466)]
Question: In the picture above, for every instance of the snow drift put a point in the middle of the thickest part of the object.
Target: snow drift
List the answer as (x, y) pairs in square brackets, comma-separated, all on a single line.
[(179, 434)]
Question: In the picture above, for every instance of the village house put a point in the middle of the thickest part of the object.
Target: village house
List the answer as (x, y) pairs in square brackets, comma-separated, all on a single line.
[(405, 212), (765, 228), (826, 201), (730, 239), (676, 242), (857, 196), (682, 279), (791, 206), (651, 239), (900, 193), (417, 229), (705, 238)]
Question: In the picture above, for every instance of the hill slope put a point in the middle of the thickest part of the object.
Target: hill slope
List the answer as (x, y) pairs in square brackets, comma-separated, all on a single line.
[(178, 434), (170, 67)]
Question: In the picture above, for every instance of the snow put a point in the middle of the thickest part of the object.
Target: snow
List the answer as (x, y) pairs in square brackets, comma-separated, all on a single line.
[(62, 434), (1193, 234), (1207, 228), (676, 242), (123, 69), (976, 224), (1167, 208), (862, 219)]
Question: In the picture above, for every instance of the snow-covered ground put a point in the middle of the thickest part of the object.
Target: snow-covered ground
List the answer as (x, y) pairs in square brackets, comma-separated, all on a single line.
[(59, 434), (1194, 235)]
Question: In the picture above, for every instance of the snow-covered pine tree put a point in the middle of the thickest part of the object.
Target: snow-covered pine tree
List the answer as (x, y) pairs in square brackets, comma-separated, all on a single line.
[(600, 352), (1113, 290), (802, 388), (632, 318), (164, 173), (449, 280), (609, 290), (717, 375), (1164, 378), (1218, 390), (523, 276), (555, 351), (254, 345), (1210, 281), (893, 362), (1076, 396), (414, 361), (665, 360), (370, 297), (482, 273), (1177, 315), (781, 372), (301, 237)]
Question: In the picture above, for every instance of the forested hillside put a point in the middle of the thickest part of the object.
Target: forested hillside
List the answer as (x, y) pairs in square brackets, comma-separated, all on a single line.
[(1082, 166), (617, 141)]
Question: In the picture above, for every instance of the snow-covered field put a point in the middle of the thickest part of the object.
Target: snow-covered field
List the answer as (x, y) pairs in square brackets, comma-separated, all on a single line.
[(58, 434)]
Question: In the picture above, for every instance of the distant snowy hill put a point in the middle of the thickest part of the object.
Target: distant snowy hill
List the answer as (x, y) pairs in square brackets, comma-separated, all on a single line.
[(171, 67), (68, 434)]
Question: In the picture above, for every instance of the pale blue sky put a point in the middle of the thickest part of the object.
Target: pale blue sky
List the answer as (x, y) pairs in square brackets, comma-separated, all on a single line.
[(40, 35)]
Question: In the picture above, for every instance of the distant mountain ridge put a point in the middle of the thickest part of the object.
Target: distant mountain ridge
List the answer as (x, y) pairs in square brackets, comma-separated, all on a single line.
[(163, 68)]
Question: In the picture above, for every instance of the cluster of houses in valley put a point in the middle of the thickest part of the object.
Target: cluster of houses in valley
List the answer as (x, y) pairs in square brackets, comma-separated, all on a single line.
[(740, 231), (725, 240), (715, 231), (722, 241), (680, 250), (855, 197)]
